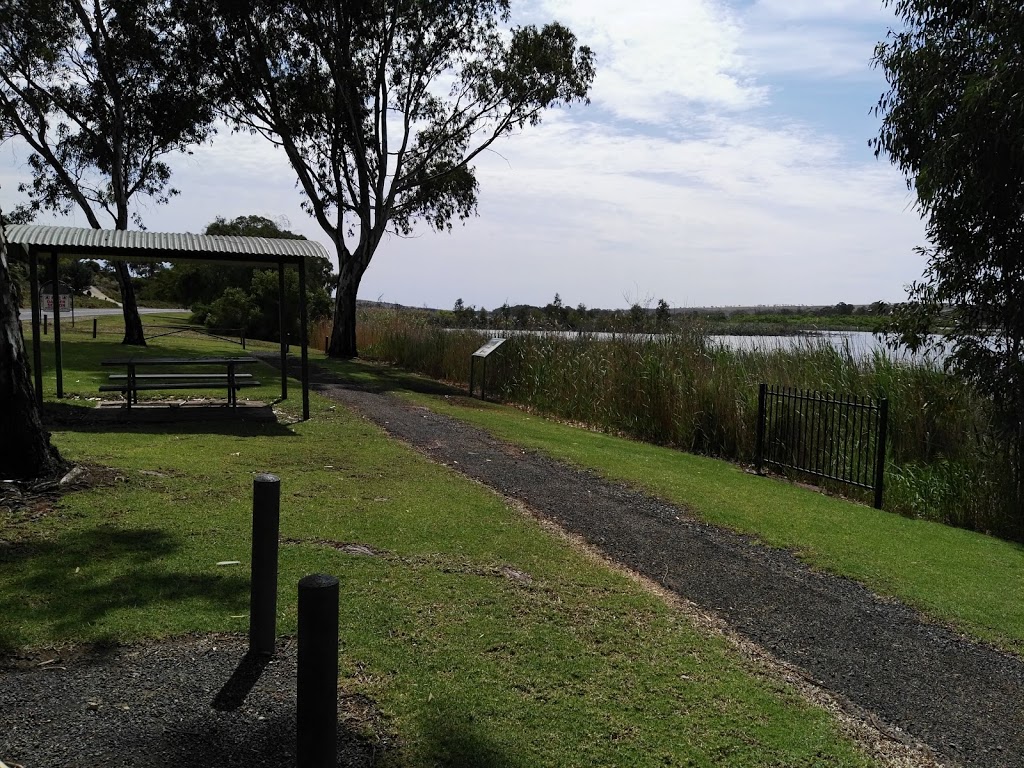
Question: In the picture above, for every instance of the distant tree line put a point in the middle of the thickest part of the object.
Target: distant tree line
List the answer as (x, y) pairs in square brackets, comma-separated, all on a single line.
[(557, 316), (659, 318)]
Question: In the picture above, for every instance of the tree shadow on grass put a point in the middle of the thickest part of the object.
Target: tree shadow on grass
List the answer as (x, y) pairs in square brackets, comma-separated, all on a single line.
[(372, 377), (457, 740), (81, 577)]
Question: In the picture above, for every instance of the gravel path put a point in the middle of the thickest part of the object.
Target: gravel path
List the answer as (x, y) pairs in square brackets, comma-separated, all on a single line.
[(961, 698)]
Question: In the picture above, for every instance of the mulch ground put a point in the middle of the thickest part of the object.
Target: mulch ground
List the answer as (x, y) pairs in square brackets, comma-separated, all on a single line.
[(195, 701)]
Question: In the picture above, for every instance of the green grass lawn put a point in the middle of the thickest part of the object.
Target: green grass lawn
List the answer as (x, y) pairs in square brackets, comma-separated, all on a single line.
[(576, 665), (972, 581)]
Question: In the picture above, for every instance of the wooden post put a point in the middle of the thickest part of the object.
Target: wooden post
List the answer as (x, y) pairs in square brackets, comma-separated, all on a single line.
[(759, 446), (281, 331), (883, 428), (304, 339), (55, 288)]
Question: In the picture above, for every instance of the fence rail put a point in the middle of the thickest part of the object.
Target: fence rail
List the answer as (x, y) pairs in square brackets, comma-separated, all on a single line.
[(828, 436)]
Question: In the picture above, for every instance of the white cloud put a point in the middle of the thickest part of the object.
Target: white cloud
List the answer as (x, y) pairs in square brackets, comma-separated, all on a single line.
[(839, 10), (653, 56), (815, 39)]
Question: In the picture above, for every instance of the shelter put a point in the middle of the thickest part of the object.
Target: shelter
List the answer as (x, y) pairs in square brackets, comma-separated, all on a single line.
[(124, 245)]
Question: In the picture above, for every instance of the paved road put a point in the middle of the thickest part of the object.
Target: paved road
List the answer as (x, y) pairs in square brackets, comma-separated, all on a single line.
[(26, 314)]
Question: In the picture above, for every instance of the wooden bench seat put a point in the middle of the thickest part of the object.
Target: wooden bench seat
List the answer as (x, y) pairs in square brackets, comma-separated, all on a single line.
[(153, 383), (132, 381), (189, 376)]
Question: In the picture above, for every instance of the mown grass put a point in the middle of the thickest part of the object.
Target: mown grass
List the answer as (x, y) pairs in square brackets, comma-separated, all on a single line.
[(944, 460), (576, 666), (972, 581)]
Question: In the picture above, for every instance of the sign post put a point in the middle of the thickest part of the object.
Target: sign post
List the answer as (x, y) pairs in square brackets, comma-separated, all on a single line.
[(482, 354)]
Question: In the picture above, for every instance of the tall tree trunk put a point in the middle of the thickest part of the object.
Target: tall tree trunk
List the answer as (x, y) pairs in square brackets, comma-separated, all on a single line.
[(343, 334), (133, 333), (25, 450)]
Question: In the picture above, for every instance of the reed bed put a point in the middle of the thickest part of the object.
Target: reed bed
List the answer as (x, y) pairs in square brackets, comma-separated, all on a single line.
[(944, 462)]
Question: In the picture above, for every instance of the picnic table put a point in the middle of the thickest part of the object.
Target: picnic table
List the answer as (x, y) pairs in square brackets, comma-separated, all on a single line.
[(131, 382)]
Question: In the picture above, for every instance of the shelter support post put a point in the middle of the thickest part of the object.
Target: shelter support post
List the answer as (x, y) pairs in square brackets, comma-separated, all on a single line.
[(304, 334), (55, 293), (281, 330), (37, 350)]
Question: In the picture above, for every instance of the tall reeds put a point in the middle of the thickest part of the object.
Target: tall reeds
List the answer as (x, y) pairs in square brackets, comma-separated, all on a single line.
[(944, 462)]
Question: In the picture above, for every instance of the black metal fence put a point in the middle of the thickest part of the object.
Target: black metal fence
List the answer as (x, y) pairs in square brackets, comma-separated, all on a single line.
[(832, 437)]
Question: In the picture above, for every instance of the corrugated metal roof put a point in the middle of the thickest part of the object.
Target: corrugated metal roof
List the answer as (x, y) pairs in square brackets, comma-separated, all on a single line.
[(130, 245)]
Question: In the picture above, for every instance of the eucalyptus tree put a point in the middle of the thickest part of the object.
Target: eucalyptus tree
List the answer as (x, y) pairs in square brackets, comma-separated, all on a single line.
[(952, 121), (25, 450), (382, 106), (102, 91)]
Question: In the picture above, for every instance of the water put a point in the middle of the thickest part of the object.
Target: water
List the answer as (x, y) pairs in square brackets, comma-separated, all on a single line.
[(861, 344)]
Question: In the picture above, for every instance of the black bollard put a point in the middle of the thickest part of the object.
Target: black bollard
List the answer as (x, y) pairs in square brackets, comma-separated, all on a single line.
[(94, 327), (266, 519), (317, 690), (45, 321)]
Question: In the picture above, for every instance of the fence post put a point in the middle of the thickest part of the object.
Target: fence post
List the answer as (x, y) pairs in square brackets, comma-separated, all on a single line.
[(94, 327), (883, 427), (316, 710), (266, 519), (759, 444)]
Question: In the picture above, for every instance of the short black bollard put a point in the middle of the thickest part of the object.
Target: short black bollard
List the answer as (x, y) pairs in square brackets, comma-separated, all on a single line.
[(266, 519), (317, 690), (46, 319), (94, 327)]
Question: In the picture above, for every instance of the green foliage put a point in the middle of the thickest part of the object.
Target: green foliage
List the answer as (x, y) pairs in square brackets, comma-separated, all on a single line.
[(682, 391), (350, 92), (225, 297), (952, 122), (234, 309)]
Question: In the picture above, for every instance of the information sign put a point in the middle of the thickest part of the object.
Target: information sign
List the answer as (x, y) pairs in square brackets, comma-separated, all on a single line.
[(64, 297), (489, 347), (63, 301)]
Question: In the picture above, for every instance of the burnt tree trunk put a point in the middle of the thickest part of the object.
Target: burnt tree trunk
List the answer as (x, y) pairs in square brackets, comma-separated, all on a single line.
[(25, 450), (343, 334), (133, 333)]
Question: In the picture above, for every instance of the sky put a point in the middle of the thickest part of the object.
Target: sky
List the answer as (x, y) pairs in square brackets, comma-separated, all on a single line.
[(723, 161)]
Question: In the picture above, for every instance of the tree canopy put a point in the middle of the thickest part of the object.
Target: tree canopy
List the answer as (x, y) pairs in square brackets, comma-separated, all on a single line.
[(244, 298), (953, 122), (102, 91), (382, 106)]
